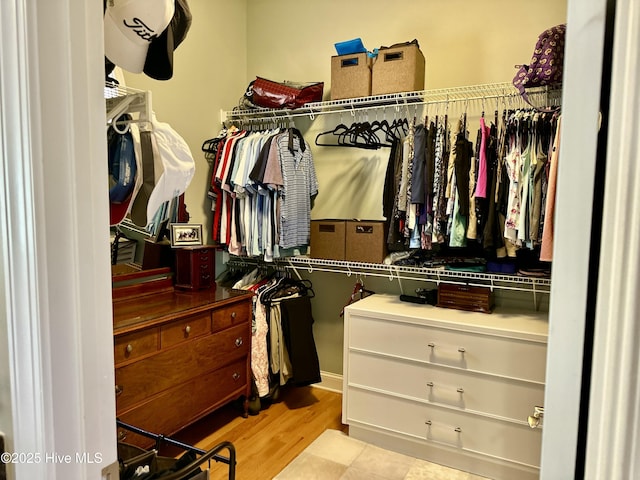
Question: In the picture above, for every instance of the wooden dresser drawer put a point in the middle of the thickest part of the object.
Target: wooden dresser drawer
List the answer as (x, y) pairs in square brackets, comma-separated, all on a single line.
[(134, 345), (464, 432), (140, 380), (183, 330), (515, 358), (177, 407), (231, 315), (444, 386)]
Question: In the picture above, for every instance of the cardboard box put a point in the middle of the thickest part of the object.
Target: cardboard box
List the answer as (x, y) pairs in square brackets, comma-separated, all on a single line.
[(399, 69), (328, 239), (350, 76), (366, 241)]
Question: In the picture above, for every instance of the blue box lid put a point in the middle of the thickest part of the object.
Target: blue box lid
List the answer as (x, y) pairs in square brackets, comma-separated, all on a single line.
[(349, 47)]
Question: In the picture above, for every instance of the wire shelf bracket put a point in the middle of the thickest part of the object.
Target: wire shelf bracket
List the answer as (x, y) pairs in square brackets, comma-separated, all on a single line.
[(120, 100)]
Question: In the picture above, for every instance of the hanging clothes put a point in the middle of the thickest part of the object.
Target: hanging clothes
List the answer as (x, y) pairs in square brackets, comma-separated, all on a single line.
[(261, 190), (546, 250), (441, 165)]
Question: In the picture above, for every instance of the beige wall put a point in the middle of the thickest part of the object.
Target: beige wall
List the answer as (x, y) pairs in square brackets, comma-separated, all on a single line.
[(209, 75), (230, 43), (464, 43)]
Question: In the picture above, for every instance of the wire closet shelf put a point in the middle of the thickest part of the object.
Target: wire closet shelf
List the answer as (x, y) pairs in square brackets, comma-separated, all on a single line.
[(392, 272), (445, 96)]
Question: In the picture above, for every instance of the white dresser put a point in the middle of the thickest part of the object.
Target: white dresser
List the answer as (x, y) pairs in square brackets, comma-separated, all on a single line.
[(448, 386)]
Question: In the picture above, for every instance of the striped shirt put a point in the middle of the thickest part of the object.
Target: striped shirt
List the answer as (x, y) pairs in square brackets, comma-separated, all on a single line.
[(300, 184)]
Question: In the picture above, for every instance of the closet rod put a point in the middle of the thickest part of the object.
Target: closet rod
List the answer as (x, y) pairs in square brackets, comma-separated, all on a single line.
[(395, 100)]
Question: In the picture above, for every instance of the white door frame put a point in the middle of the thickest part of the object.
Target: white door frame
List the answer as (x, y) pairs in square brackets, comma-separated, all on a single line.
[(570, 268), (613, 436), (613, 433), (56, 350), (55, 345)]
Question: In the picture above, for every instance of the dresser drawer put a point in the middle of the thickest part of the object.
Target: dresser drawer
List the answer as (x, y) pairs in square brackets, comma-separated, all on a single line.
[(472, 351), (466, 391), (176, 408), (140, 380), (134, 345), (461, 431), (222, 385), (231, 315), (183, 330)]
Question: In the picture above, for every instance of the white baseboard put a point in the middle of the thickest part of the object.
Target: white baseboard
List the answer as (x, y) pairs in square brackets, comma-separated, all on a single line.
[(330, 381)]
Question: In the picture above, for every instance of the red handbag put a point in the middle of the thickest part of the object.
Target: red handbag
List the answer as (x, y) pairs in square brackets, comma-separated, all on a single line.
[(269, 94)]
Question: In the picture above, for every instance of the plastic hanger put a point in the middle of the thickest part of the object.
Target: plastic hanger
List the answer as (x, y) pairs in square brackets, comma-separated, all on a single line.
[(358, 291)]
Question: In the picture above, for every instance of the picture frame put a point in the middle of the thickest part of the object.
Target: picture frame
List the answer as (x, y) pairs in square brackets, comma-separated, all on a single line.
[(186, 235)]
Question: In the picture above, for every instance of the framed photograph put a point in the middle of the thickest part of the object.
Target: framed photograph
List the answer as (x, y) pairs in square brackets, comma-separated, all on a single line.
[(186, 234)]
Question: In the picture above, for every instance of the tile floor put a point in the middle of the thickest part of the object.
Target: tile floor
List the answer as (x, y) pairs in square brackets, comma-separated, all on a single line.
[(336, 456)]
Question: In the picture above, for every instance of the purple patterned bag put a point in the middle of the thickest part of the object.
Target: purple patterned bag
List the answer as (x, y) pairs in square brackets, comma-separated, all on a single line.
[(545, 67)]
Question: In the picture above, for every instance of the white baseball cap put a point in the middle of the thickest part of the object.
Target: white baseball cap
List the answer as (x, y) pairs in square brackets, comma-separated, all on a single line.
[(130, 26)]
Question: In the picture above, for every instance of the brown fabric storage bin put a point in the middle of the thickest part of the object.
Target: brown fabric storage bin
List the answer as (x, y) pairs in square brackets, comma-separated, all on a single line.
[(398, 69), (366, 241), (350, 76), (328, 239)]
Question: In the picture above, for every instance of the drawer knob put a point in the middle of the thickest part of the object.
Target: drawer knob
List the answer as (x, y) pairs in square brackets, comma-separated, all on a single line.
[(239, 341), (187, 330), (119, 390), (233, 315), (235, 376), (534, 420), (129, 348)]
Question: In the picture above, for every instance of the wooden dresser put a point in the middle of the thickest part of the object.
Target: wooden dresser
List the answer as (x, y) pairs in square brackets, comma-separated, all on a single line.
[(451, 387), (179, 356)]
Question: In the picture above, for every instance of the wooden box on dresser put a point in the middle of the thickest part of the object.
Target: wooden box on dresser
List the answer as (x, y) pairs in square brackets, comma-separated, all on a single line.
[(179, 356), (451, 387)]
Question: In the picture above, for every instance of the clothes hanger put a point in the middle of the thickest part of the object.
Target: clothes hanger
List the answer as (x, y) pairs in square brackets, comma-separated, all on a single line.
[(338, 130), (358, 290)]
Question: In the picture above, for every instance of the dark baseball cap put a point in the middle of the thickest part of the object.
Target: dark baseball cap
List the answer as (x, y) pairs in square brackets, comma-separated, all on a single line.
[(159, 61)]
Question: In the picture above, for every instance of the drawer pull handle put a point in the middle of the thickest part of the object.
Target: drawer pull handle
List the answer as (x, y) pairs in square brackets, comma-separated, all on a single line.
[(129, 348), (119, 390), (187, 330), (433, 345), (235, 376), (455, 429), (239, 341), (121, 435), (233, 315), (459, 389)]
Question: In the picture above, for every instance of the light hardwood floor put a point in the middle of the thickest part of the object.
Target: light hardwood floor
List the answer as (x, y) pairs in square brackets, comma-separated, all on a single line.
[(267, 442)]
